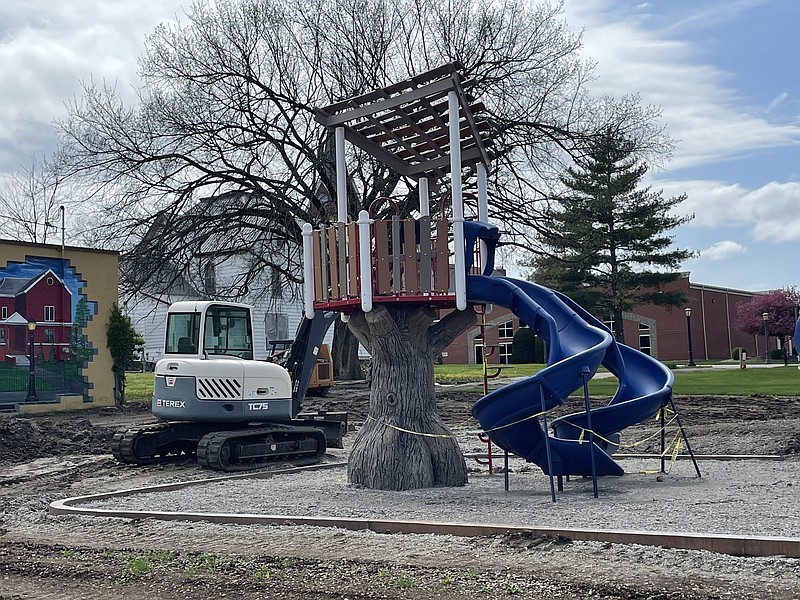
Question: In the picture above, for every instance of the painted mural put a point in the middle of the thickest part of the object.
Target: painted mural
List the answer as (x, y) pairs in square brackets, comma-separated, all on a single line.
[(43, 348)]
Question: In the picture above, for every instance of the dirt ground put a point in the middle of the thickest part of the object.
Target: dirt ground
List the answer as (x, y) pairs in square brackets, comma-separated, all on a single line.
[(44, 458)]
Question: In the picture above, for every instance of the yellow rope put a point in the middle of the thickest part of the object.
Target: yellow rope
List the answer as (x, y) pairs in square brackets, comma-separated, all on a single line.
[(444, 435), (581, 436)]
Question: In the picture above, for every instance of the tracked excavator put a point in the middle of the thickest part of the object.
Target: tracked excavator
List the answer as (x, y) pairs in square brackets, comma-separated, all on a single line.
[(218, 403)]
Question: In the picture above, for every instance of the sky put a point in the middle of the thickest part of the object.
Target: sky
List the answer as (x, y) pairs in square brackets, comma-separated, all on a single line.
[(724, 73)]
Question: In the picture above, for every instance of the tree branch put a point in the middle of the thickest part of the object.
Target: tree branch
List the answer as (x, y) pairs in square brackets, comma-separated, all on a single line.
[(442, 334)]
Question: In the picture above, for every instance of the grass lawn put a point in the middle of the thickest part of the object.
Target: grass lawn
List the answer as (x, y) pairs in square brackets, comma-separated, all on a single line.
[(779, 381), (138, 387)]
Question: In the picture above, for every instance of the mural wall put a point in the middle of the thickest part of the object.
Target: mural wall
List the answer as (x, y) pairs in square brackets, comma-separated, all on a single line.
[(54, 306)]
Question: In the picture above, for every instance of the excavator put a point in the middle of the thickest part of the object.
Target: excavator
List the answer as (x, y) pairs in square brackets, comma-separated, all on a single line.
[(218, 403)]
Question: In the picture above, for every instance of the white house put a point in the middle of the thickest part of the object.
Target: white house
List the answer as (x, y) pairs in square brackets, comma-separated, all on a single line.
[(276, 314)]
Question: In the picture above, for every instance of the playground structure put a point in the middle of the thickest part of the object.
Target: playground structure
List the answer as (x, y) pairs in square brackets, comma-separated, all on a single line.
[(427, 128)]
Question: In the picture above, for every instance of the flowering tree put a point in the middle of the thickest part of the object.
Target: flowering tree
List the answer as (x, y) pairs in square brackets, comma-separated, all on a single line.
[(780, 305)]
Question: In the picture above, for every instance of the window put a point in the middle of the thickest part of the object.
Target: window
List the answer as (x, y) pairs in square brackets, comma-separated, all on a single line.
[(644, 338), (49, 336), (276, 283), (505, 353), (506, 330), (49, 313), (228, 332), (209, 279), (183, 333), (4, 313), (277, 326), (3, 334), (644, 343), (478, 354)]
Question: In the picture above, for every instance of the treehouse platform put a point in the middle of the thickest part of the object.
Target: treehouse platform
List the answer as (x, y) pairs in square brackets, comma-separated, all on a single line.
[(424, 129)]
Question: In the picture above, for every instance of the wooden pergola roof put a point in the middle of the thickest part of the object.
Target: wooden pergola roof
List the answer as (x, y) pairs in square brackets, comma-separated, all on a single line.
[(405, 125)]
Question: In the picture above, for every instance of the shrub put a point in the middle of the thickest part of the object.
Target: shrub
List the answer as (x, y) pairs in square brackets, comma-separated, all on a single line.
[(735, 353), (523, 348)]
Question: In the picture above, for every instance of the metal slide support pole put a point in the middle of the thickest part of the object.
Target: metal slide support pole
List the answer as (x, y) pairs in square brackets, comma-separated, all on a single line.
[(547, 446), (685, 438), (458, 202), (505, 465), (585, 372), (308, 269), (663, 422)]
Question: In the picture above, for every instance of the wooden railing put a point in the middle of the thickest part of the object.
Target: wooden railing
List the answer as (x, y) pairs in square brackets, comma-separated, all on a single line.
[(408, 259)]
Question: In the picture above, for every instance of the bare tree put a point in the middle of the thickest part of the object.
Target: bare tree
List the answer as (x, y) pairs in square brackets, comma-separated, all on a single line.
[(30, 201), (228, 98), (221, 154)]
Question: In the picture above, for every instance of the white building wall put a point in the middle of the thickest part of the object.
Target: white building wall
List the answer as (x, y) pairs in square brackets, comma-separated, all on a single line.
[(149, 315)]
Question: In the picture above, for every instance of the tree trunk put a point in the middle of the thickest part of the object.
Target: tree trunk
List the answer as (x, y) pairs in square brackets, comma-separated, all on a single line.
[(404, 444), (619, 328), (346, 365), (119, 388)]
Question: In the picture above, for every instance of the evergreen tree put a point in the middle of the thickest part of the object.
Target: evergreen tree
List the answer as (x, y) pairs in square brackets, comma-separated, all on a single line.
[(608, 249), (122, 341), (78, 342)]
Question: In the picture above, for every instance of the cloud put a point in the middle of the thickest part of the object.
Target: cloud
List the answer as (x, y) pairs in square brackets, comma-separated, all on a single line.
[(777, 100), (723, 250), (771, 212), (44, 55), (700, 107)]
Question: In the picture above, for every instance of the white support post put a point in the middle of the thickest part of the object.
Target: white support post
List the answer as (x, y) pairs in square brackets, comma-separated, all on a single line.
[(365, 260), (424, 197), (483, 194), (308, 269), (458, 201), (483, 211), (341, 177), (341, 197)]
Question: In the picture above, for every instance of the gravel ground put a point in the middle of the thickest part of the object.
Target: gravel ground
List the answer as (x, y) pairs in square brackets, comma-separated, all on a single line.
[(65, 557), (741, 497)]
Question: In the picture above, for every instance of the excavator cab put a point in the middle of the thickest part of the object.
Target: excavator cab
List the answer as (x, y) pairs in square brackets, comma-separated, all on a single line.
[(209, 329)]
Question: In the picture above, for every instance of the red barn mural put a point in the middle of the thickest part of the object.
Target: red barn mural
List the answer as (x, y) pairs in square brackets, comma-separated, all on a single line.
[(43, 299)]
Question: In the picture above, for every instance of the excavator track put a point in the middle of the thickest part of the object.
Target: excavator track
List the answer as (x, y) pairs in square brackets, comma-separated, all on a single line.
[(243, 450), (157, 443)]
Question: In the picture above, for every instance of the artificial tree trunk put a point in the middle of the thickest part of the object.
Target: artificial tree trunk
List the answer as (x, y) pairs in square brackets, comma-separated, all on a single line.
[(403, 443), (346, 365)]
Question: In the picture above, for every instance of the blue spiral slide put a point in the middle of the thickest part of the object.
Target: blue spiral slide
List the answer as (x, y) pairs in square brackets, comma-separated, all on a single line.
[(578, 345)]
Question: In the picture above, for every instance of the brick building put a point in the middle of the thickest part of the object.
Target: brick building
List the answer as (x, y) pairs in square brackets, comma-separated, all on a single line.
[(660, 332)]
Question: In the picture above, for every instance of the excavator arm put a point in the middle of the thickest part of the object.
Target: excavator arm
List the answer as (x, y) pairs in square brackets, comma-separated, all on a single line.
[(303, 353)]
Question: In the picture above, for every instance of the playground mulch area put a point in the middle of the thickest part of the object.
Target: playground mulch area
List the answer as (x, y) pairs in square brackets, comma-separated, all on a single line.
[(45, 458)]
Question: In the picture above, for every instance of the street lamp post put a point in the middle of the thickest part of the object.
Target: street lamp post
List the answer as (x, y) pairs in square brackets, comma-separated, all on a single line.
[(31, 397), (765, 316), (688, 312)]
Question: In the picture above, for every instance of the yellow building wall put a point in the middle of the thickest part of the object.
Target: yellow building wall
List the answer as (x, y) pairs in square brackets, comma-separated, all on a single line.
[(99, 269)]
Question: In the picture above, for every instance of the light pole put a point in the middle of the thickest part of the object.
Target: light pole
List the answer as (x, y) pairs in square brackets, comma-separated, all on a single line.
[(765, 316), (31, 397), (688, 312)]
